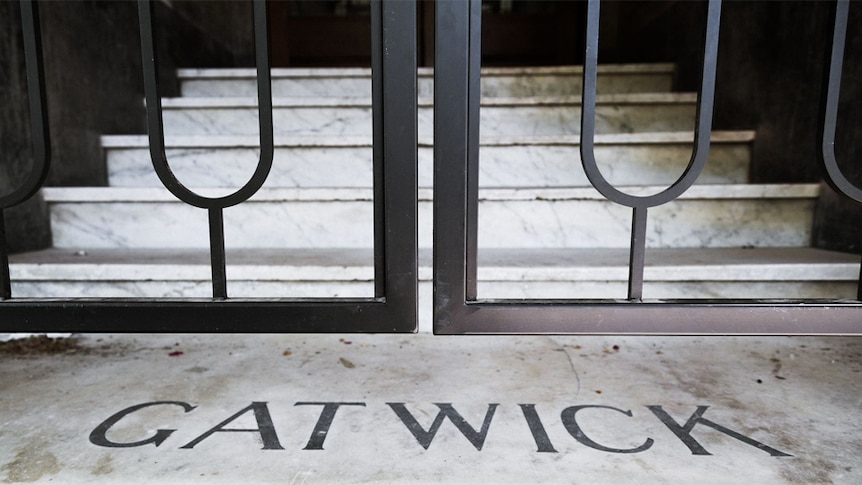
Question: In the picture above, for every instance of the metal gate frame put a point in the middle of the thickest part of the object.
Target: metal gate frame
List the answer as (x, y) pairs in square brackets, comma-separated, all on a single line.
[(457, 308), (394, 305)]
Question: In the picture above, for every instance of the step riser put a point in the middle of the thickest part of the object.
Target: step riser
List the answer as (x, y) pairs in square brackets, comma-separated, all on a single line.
[(506, 166), (494, 120), (496, 86), (508, 223)]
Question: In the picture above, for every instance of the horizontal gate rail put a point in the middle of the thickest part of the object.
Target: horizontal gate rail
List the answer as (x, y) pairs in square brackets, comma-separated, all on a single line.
[(457, 308), (393, 307)]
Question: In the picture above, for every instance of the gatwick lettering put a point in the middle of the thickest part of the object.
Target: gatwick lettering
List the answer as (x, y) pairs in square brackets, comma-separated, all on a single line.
[(475, 434)]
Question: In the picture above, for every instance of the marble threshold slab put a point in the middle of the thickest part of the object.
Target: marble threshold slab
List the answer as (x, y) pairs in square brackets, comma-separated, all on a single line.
[(348, 409)]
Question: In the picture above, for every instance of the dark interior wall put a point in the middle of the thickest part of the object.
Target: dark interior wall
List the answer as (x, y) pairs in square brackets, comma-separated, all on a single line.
[(771, 78), (769, 71), (772, 57), (228, 21), (92, 51), (89, 55), (654, 31), (94, 86)]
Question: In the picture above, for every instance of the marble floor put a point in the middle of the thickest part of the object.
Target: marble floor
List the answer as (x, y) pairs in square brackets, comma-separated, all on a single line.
[(293, 409)]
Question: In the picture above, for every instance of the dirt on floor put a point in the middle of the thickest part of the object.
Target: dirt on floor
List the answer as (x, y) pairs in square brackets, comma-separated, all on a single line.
[(41, 345)]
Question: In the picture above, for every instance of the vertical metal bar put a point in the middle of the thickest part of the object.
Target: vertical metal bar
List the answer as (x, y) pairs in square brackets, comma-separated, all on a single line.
[(400, 152), (859, 284), (5, 280), (153, 101), (473, 106), (217, 255), (38, 105), (264, 99), (377, 149), (637, 253), (451, 75), (39, 133), (588, 93)]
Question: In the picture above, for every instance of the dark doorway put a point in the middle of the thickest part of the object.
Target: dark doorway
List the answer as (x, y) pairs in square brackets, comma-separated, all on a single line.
[(319, 33)]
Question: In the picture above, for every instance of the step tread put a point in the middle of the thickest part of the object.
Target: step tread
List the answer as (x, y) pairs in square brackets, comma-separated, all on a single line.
[(511, 264), (193, 73), (207, 102), (253, 141), (287, 194)]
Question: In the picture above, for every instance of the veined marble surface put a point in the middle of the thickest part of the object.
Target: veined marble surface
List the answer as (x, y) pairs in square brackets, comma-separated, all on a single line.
[(496, 82), (538, 164), (510, 116), (707, 215), (684, 223), (232, 167)]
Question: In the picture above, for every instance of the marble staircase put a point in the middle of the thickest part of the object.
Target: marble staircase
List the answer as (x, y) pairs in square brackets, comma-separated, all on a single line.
[(543, 231)]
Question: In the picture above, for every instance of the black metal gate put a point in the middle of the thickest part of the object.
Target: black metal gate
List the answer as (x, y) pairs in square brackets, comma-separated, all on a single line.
[(457, 308), (392, 309)]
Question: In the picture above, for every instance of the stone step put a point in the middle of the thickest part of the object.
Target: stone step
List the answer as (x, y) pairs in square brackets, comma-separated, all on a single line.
[(503, 273), (615, 113), (705, 216), (496, 82), (229, 161)]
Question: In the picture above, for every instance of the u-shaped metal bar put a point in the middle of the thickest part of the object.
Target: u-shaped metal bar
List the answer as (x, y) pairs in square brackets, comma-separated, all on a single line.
[(155, 128), (702, 135), (703, 120)]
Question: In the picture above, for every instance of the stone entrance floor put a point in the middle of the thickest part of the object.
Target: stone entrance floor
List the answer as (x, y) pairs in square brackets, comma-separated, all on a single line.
[(294, 409)]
